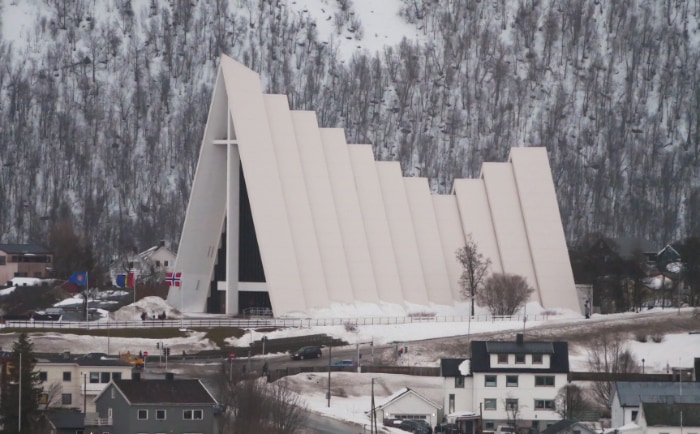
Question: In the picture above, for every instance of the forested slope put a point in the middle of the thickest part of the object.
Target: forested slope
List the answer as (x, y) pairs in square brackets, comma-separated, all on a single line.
[(103, 104)]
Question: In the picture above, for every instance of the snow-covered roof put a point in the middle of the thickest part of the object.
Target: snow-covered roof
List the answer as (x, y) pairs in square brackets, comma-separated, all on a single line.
[(404, 392)]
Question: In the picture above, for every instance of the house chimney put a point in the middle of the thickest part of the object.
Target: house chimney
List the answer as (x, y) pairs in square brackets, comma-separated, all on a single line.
[(136, 376), (519, 338), (169, 376)]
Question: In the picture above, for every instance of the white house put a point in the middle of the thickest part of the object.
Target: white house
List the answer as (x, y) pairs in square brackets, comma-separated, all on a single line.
[(409, 404), (669, 418), (509, 382), (628, 395), (456, 384), (154, 261), (75, 382)]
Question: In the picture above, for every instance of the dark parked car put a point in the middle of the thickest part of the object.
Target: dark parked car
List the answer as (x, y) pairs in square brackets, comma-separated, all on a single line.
[(414, 426), (307, 353)]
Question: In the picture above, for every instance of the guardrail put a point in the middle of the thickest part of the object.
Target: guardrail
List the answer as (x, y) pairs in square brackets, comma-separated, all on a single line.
[(266, 322)]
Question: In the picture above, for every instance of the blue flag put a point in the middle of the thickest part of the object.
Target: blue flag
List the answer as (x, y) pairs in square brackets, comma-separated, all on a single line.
[(121, 281), (79, 278)]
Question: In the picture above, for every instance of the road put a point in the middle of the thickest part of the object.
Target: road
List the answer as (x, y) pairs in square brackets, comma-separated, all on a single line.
[(317, 424)]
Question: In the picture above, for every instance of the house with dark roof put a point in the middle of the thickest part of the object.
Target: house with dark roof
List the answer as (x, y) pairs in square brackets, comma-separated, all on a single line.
[(24, 260), (628, 395), (157, 406), (516, 382), (568, 426), (663, 418), (62, 421)]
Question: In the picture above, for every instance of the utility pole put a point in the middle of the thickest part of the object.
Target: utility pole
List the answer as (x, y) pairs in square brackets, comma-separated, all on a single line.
[(19, 419), (328, 392)]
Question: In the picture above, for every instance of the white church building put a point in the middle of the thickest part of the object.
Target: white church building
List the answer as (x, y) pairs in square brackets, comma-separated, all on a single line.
[(287, 215)]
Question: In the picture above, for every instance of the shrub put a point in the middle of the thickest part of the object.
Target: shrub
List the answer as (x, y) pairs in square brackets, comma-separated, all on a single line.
[(657, 337), (640, 337), (350, 326)]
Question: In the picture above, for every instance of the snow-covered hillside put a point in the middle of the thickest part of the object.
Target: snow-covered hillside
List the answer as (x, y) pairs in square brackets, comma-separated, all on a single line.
[(103, 103)]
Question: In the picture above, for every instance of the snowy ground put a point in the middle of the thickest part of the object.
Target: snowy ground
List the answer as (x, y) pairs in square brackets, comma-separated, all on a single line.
[(351, 391)]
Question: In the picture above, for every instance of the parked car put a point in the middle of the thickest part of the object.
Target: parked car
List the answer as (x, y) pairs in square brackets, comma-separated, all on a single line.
[(345, 363), (413, 426), (425, 425), (94, 356), (448, 428), (307, 353)]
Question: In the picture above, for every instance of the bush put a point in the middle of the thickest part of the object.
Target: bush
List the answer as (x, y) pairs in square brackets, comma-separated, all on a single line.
[(350, 326), (640, 337), (657, 337)]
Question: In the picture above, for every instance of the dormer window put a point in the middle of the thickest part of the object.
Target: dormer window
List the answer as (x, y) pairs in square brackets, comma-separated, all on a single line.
[(503, 358), (520, 358), (537, 359)]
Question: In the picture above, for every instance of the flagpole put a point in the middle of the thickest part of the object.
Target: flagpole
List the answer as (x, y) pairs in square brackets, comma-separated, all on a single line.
[(87, 289)]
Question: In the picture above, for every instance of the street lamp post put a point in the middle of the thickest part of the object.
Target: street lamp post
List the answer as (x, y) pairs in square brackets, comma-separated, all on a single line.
[(19, 419)]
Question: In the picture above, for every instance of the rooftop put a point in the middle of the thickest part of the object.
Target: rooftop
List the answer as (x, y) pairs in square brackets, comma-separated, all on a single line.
[(180, 391)]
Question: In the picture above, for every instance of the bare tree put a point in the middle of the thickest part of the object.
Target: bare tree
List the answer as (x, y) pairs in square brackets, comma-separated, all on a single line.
[(571, 401), (512, 407), (609, 354), (50, 397), (504, 293), (475, 267), (253, 405)]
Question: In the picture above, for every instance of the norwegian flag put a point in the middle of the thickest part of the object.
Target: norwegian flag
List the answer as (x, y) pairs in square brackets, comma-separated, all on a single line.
[(173, 279)]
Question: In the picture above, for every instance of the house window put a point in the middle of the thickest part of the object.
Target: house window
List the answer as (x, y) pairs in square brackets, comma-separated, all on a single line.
[(157, 263), (104, 377), (634, 415), (3, 260), (537, 359), (192, 415), (160, 414), (459, 382), (112, 393), (511, 404), (489, 424), (490, 404), (511, 381), (142, 415), (66, 399), (94, 377), (490, 380), (165, 263), (116, 375), (544, 380), (544, 404), (66, 376), (503, 358), (43, 376), (451, 404), (520, 358), (577, 431)]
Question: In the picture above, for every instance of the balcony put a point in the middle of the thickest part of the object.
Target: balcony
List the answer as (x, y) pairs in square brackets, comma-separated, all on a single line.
[(94, 419)]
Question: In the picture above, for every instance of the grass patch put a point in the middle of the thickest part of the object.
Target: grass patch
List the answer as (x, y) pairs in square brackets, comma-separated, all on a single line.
[(219, 335)]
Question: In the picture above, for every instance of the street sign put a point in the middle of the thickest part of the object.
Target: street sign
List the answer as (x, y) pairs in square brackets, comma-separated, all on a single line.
[(232, 356), (145, 354)]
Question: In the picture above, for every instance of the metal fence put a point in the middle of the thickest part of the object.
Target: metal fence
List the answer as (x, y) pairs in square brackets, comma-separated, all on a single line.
[(267, 322)]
